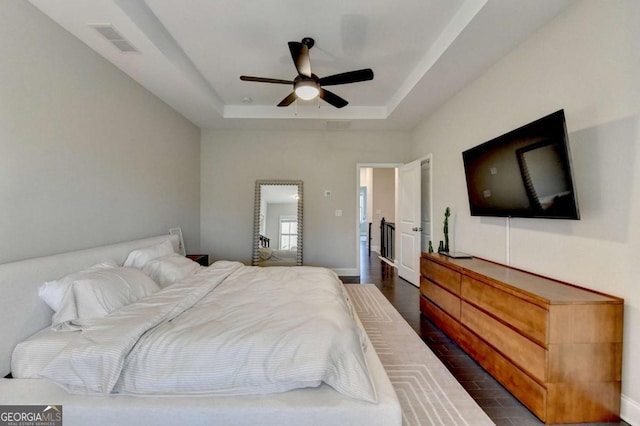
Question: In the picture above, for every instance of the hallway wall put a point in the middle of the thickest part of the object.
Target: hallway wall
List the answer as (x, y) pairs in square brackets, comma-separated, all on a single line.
[(383, 201)]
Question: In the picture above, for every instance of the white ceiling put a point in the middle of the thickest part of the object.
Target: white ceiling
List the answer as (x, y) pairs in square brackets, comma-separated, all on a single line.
[(279, 193), (192, 53)]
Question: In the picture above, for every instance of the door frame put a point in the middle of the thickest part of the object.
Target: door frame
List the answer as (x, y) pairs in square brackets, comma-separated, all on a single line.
[(357, 210), (428, 157)]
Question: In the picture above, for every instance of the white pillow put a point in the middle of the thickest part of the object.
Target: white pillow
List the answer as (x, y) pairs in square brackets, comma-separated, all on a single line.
[(168, 269), (137, 258), (52, 292), (102, 292), (265, 253), (79, 304)]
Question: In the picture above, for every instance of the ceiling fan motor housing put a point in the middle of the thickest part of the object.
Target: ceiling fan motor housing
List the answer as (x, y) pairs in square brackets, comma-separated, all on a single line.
[(309, 42)]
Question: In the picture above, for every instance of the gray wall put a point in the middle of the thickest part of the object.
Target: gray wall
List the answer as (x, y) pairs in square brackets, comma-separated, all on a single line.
[(585, 61), (233, 160), (87, 156)]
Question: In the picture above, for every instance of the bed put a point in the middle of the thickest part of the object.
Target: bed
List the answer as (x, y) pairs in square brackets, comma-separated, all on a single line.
[(23, 313), (272, 257)]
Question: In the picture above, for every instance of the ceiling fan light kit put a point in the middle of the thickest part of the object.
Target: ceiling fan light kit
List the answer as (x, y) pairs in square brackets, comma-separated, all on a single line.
[(306, 89), (307, 85)]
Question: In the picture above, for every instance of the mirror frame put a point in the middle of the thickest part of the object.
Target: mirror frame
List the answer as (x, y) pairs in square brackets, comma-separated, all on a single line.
[(256, 216)]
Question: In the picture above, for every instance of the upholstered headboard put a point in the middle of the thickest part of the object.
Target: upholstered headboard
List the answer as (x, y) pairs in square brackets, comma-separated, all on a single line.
[(22, 312)]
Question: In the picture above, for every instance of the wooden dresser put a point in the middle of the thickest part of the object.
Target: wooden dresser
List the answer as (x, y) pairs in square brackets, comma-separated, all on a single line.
[(555, 346)]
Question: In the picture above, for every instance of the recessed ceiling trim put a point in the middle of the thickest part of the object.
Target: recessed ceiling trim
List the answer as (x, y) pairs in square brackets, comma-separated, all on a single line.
[(151, 26), (306, 111), (462, 18), (465, 37)]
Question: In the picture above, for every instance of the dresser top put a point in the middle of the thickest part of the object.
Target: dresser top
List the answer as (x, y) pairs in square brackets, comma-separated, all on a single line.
[(536, 287)]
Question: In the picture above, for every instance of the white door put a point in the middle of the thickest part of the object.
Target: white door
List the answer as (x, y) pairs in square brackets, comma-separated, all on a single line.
[(408, 220)]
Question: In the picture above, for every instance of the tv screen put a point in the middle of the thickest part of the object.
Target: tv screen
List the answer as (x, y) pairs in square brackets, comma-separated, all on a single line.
[(523, 173)]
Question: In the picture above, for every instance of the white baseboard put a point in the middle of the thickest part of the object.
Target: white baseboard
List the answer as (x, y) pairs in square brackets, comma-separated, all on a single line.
[(630, 410), (346, 272), (389, 262)]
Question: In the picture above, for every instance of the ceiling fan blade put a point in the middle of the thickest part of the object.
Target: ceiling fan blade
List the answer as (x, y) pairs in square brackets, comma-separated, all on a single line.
[(300, 56), (288, 100), (347, 77), (265, 80), (332, 98)]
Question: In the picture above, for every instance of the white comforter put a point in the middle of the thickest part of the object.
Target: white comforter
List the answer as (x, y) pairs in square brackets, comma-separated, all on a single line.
[(227, 330)]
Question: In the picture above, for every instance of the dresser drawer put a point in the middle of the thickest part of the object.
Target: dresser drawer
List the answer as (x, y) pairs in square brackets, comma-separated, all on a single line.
[(523, 352), (440, 318), (573, 362), (529, 319), (528, 391), (599, 402), (448, 302), (441, 275)]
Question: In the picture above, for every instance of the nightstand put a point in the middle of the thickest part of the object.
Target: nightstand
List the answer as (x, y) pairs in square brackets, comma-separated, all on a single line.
[(202, 259)]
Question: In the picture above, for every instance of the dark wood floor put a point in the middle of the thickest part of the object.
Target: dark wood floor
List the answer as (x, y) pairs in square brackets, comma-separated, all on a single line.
[(495, 400)]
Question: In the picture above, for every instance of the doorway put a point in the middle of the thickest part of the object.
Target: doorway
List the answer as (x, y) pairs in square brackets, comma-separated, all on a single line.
[(371, 211), (376, 185)]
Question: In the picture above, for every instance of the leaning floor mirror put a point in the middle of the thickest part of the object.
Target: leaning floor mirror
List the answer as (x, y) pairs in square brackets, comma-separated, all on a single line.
[(277, 223)]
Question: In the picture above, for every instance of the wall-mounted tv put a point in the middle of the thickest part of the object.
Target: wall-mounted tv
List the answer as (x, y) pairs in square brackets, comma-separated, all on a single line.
[(523, 173)]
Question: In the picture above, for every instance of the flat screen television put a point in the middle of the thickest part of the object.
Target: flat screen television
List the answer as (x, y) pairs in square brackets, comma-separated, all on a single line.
[(523, 173)]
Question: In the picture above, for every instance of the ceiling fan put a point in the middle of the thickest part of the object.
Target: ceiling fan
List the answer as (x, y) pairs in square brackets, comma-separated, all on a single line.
[(308, 85)]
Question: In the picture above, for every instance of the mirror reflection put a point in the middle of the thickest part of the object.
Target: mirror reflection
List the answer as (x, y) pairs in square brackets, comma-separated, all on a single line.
[(548, 185), (278, 223)]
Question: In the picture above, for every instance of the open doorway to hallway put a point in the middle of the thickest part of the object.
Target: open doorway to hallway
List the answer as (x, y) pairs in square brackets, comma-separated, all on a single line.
[(378, 211), (377, 203), (377, 182)]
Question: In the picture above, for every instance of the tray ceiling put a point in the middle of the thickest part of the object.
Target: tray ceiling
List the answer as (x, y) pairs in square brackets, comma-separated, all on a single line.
[(191, 54)]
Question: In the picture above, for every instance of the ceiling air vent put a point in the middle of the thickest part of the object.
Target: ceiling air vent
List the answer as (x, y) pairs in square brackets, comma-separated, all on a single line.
[(338, 124), (115, 38)]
